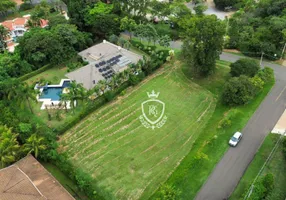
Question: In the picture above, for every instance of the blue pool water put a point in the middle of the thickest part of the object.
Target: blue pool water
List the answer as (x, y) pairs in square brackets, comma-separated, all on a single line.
[(54, 93)]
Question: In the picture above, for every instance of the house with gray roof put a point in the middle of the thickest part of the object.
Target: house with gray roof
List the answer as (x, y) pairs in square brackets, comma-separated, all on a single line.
[(105, 60)]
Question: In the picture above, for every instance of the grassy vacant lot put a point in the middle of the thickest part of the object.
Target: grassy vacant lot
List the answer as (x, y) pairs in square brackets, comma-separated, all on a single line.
[(53, 75), (276, 166), (127, 160), (212, 144)]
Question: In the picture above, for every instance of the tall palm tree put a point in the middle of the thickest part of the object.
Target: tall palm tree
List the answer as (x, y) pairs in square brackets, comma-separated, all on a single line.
[(76, 92), (102, 85), (82, 93), (64, 98), (116, 79), (4, 33), (27, 93), (34, 144), (96, 90), (112, 83), (21, 93), (8, 146)]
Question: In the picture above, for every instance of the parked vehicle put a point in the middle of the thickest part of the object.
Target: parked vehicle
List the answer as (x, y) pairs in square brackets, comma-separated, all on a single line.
[(234, 140)]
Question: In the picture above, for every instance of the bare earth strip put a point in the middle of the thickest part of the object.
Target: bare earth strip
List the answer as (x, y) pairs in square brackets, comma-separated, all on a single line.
[(127, 160)]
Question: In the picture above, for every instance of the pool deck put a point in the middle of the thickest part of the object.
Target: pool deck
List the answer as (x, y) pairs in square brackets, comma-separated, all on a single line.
[(49, 103)]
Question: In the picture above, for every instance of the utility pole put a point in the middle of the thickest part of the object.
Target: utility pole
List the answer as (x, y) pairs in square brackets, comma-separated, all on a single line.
[(261, 58), (283, 51)]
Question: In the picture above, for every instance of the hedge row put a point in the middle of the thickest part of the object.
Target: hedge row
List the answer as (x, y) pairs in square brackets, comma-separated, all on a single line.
[(34, 73)]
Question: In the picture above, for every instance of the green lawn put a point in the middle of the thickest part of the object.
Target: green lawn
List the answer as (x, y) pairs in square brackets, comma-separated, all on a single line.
[(196, 167), (276, 166), (127, 160), (65, 181), (54, 122), (53, 75)]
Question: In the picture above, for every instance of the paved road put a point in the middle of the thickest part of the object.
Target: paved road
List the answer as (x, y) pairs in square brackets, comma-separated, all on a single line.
[(232, 166)]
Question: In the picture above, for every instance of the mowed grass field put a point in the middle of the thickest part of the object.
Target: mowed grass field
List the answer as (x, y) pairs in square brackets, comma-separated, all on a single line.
[(127, 160)]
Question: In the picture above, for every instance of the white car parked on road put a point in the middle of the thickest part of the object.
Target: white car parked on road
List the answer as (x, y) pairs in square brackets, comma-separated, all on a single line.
[(235, 139)]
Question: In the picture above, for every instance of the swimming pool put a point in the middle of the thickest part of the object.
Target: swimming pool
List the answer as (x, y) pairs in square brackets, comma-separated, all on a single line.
[(54, 92)]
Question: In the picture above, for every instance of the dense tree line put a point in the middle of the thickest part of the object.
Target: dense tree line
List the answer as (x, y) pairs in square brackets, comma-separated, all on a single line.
[(259, 27)]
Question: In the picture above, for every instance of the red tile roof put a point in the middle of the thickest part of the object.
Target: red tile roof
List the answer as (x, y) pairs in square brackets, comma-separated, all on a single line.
[(44, 23), (8, 24), (20, 21)]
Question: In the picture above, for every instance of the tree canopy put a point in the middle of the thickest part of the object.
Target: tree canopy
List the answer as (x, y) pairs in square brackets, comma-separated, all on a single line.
[(203, 42), (244, 66), (6, 5), (238, 91), (259, 27)]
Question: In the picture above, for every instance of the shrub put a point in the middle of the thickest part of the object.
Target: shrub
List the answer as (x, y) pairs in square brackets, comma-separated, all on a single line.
[(133, 80), (263, 187), (258, 83), (224, 123), (268, 182), (266, 74), (164, 54), (123, 92), (238, 91), (244, 66), (136, 44), (168, 192), (109, 96)]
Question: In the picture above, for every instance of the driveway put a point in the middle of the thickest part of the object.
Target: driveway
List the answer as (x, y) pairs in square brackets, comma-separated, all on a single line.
[(232, 166)]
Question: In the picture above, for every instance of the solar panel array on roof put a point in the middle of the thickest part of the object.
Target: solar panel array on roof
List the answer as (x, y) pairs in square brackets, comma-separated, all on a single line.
[(105, 67)]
